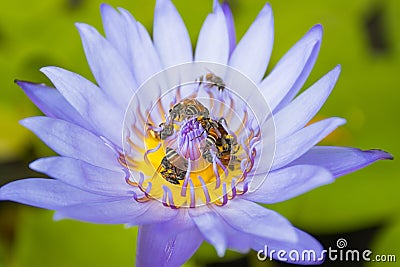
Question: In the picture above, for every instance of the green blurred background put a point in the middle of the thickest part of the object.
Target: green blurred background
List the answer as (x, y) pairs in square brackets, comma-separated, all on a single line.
[(364, 207)]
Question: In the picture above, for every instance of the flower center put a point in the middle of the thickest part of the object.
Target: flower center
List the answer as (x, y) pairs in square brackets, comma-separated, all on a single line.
[(192, 146), (190, 138)]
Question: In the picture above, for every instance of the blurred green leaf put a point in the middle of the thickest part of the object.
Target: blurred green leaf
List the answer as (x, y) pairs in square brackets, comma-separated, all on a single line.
[(42, 242), (387, 244), (366, 94)]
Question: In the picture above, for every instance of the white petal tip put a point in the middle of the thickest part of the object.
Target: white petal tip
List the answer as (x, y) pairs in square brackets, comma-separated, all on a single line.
[(26, 122), (220, 251), (58, 216), (267, 9), (217, 6), (340, 121), (105, 7)]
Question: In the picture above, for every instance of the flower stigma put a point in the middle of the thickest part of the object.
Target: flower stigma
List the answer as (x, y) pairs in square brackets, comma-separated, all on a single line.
[(191, 138)]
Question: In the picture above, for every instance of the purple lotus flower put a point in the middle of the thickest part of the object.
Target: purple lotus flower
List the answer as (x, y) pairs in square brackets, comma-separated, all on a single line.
[(202, 142)]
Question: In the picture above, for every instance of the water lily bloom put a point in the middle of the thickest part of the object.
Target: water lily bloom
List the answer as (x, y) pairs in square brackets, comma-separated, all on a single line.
[(182, 144)]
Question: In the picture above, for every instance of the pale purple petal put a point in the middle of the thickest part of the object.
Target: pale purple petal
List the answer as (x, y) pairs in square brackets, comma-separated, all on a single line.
[(253, 219), (117, 211), (46, 193), (287, 183), (317, 30), (171, 38), (93, 105), (252, 54), (299, 112), (83, 175), (231, 26), (237, 240), (52, 103), (115, 29), (73, 141), (309, 249), (211, 227), (143, 57), (292, 147), (293, 69), (213, 42), (108, 66), (169, 243), (341, 160)]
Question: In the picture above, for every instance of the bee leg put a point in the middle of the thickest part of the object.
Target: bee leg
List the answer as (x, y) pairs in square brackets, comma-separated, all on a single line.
[(172, 180), (181, 175), (207, 155), (222, 121), (236, 149)]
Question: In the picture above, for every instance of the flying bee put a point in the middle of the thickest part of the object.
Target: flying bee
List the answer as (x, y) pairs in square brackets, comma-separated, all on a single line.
[(186, 109), (175, 166), (210, 80)]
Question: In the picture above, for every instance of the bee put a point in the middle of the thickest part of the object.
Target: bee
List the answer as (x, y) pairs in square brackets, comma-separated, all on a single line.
[(229, 144), (175, 159), (228, 160), (186, 109), (215, 132), (167, 130), (175, 166), (210, 80), (220, 140)]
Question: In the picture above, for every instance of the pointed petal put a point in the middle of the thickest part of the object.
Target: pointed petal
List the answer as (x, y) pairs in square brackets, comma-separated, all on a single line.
[(292, 147), (143, 56), (317, 30), (237, 240), (93, 105), (171, 38), (115, 29), (231, 26), (118, 211), (46, 193), (84, 175), (132, 41), (252, 54), (292, 70), (211, 228), (341, 160), (299, 112), (251, 218), (108, 67), (288, 183), (52, 103), (70, 140), (169, 243), (213, 42), (306, 251)]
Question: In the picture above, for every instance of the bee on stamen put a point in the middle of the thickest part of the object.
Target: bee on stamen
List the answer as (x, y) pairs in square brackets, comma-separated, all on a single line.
[(220, 141), (186, 109), (174, 166), (167, 130)]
